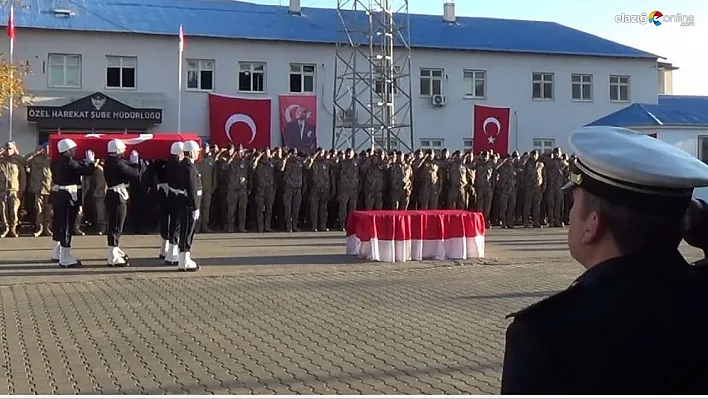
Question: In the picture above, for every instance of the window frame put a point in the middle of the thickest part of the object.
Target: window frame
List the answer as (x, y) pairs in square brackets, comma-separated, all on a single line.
[(121, 67), (618, 86), (431, 145), (699, 152), (471, 83), (542, 82), (430, 78), (200, 68), (65, 57), (581, 84), (252, 70), (542, 148), (303, 76)]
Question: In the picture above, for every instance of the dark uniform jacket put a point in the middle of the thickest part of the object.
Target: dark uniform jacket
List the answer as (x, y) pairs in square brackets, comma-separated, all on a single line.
[(69, 172), (118, 171), (629, 325), (192, 184)]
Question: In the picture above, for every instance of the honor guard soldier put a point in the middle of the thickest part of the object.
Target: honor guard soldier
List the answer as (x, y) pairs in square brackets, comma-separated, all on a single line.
[(118, 174), (163, 190), (67, 198), (173, 169), (189, 200), (635, 321)]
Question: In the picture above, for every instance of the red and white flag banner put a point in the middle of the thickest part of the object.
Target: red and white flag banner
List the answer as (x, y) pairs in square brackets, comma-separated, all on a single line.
[(149, 146), (399, 236), (298, 122), (242, 121), (11, 23), (491, 129)]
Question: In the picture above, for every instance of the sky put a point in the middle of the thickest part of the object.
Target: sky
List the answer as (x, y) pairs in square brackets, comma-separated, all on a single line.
[(685, 47)]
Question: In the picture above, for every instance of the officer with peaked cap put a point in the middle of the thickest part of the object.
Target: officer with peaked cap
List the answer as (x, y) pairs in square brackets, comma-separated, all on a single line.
[(118, 173), (635, 321), (188, 202), (173, 171), (67, 198)]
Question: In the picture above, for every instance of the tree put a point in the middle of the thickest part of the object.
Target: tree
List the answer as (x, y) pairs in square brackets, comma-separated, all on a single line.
[(12, 84)]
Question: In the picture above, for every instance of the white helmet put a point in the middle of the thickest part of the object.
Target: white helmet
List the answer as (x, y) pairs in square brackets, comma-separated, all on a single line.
[(116, 146), (191, 146), (65, 145), (177, 148)]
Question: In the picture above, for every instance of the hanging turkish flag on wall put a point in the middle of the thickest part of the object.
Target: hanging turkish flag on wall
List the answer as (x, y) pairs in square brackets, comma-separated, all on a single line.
[(238, 120), (491, 129)]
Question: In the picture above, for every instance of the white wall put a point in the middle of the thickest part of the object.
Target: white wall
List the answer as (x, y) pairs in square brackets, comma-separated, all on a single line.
[(508, 83), (685, 139)]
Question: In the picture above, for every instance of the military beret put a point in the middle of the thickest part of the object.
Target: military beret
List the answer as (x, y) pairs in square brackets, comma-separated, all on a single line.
[(628, 168)]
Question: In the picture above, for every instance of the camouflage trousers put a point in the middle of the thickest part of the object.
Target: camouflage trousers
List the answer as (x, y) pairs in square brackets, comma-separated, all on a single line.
[(347, 204), (428, 198), (484, 202), (292, 200), (319, 211), (9, 210), (554, 206), (507, 204), (373, 200), (457, 198), (43, 211), (236, 201), (205, 210), (532, 205), (400, 199)]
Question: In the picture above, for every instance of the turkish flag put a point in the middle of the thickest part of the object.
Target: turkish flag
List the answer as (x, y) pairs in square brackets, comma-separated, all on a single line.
[(149, 146), (238, 120), (491, 129)]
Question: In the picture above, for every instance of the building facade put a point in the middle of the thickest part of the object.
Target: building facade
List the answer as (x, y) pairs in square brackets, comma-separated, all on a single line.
[(549, 94)]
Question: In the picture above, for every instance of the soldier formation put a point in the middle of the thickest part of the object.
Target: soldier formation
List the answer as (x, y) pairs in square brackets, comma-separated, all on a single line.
[(281, 189)]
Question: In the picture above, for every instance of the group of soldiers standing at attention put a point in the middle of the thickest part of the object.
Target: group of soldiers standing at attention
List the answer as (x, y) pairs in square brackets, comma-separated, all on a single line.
[(281, 189)]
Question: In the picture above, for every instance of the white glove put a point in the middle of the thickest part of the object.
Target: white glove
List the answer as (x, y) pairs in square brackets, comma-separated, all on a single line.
[(195, 214), (90, 156), (134, 158)]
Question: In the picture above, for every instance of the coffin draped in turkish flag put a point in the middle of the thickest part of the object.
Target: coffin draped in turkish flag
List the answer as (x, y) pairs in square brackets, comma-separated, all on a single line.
[(491, 129), (149, 146)]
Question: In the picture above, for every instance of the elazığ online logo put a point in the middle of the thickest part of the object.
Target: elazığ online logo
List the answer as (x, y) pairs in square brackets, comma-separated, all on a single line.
[(656, 18)]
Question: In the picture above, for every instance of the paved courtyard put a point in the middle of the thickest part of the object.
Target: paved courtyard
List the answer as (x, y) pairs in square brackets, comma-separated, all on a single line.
[(268, 314)]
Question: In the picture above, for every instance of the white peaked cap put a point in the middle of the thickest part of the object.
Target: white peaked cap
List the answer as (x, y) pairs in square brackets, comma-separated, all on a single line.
[(177, 148), (116, 146), (65, 145), (190, 146)]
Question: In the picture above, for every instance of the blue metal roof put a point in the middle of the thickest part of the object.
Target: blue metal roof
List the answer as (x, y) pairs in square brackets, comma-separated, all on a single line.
[(670, 111), (242, 20)]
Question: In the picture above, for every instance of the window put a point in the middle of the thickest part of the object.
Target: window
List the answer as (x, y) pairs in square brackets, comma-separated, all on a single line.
[(431, 144), (619, 88), (302, 78), (542, 86), (381, 143), (200, 74), (121, 71), (703, 148), (379, 84), (581, 87), (251, 76), (64, 70), (544, 146), (475, 83), (431, 82), (468, 144)]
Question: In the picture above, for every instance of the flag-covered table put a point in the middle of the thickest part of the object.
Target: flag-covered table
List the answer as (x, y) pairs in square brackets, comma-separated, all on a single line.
[(399, 236)]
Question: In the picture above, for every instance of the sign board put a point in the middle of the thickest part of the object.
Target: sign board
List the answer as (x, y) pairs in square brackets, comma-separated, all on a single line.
[(96, 107)]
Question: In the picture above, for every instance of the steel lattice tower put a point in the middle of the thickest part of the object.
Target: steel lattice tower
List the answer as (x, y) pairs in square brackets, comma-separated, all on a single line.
[(372, 76)]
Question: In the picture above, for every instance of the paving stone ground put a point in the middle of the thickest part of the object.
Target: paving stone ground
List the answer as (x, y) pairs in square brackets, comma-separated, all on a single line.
[(268, 314)]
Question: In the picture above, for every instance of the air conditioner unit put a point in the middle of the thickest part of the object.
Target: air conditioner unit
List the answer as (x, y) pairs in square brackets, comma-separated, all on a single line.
[(438, 100)]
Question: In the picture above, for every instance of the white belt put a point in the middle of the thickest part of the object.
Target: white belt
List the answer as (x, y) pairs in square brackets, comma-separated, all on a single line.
[(177, 191), (73, 190), (164, 187), (122, 190)]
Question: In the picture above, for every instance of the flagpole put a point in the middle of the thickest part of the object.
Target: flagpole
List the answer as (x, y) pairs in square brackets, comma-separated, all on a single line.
[(179, 81), (12, 72)]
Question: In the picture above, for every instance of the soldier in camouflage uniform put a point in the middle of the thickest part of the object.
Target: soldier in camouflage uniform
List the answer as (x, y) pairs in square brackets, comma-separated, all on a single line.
[(223, 176), (12, 184), (264, 179), (40, 186), (401, 178), (506, 190), (206, 165), (555, 173), (444, 162), (428, 183), (483, 184), (320, 190), (459, 179), (292, 172), (347, 186), (374, 184), (99, 190), (520, 190), (239, 187), (535, 185)]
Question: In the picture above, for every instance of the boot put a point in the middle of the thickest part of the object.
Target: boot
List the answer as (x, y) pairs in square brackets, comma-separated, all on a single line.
[(120, 251), (115, 258), (47, 231), (3, 232), (56, 251), (172, 255), (66, 259), (38, 230), (13, 232), (186, 264), (164, 246)]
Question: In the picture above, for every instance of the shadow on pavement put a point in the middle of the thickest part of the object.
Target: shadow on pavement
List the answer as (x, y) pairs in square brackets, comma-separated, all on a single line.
[(513, 295)]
